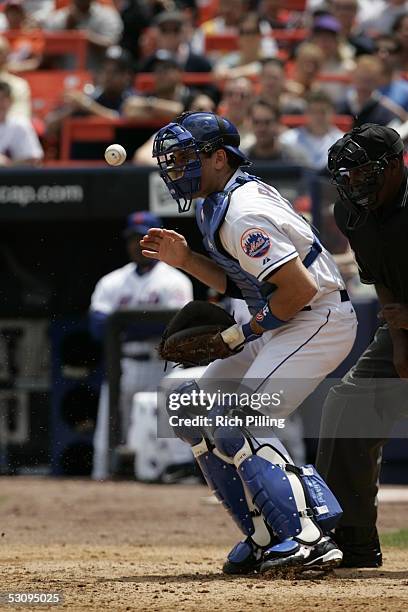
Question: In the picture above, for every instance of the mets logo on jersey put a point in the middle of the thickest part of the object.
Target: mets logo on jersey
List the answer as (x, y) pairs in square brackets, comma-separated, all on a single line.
[(262, 314), (255, 242)]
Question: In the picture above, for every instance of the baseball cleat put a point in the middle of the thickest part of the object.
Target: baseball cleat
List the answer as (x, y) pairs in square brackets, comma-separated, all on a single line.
[(285, 555), (325, 555)]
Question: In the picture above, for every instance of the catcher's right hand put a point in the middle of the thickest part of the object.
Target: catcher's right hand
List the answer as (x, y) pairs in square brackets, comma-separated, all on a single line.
[(193, 337)]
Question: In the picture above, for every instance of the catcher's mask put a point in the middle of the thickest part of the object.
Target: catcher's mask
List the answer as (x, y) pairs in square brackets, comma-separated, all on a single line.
[(177, 147), (357, 163)]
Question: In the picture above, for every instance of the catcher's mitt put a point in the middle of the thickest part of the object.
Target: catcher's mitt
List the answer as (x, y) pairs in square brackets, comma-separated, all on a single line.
[(193, 336)]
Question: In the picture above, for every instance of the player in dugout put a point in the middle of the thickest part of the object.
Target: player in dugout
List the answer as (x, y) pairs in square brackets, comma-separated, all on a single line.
[(140, 283)]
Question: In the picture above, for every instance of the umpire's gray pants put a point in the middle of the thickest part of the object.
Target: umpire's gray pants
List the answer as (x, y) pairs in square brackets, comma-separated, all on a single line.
[(357, 418)]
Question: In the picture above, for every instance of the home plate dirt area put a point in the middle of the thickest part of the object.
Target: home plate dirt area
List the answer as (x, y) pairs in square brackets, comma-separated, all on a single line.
[(128, 546)]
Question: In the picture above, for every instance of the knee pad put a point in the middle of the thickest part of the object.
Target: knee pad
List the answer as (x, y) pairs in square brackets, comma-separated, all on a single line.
[(190, 434), (229, 441)]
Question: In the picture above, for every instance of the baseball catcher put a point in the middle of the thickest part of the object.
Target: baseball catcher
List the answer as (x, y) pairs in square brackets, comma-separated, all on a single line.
[(303, 325)]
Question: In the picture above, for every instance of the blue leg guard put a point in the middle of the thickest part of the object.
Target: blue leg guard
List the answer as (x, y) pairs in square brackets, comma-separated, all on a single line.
[(223, 480), (189, 434), (277, 493)]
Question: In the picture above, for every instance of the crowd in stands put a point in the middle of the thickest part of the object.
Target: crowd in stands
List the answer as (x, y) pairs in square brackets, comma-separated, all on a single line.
[(293, 75)]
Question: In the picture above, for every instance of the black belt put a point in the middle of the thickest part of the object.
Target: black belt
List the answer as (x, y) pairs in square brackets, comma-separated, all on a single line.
[(141, 357), (344, 297)]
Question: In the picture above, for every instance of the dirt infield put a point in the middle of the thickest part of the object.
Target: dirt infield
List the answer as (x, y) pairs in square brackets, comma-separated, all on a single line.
[(126, 546)]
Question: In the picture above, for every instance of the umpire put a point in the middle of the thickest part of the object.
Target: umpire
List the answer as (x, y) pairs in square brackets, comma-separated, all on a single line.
[(368, 170)]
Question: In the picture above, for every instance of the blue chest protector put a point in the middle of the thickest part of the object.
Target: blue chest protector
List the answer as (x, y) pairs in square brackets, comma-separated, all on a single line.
[(210, 216)]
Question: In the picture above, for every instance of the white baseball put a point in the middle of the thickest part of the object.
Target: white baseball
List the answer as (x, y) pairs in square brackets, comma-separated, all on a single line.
[(115, 155)]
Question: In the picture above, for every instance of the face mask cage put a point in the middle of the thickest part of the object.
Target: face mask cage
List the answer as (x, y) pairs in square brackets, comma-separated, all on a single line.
[(359, 190), (363, 190), (178, 158)]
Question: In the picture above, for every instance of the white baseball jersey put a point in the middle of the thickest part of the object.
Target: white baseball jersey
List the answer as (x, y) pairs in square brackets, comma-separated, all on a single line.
[(124, 289), (18, 140), (262, 231)]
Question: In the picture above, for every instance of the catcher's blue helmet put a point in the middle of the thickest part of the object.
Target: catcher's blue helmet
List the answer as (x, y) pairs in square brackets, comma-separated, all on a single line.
[(192, 133)]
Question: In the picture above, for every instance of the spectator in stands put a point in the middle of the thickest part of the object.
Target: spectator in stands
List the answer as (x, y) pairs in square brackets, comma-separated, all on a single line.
[(171, 37), (25, 50), (309, 60), (267, 128), (363, 100), (197, 101), (102, 25), (366, 9), (400, 31), (318, 134), (246, 60), (345, 11), (20, 90), (19, 144), (113, 88), (395, 88), (308, 63), (383, 21), (228, 19), (277, 90), (272, 81), (338, 58), (39, 10), (237, 97), (168, 97)]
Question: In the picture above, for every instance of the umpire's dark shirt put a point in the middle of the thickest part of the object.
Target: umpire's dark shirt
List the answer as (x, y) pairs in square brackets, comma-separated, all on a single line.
[(381, 243)]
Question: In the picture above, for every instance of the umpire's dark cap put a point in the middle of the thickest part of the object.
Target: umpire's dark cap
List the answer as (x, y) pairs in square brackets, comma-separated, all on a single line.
[(377, 140), (140, 222)]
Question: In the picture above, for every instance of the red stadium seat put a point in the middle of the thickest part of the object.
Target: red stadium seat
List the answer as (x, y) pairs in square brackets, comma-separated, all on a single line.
[(63, 3), (295, 5), (47, 87), (229, 42), (95, 129), (144, 81), (59, 43), (207, 9), (328, 77), (220, 42)]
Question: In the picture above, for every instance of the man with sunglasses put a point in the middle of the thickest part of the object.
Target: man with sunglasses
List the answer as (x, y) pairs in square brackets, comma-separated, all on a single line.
[(368, 170), (302, 326), (172, 29), (267, 129)]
